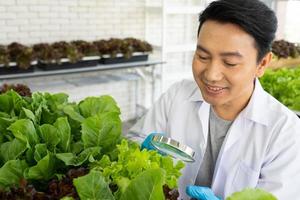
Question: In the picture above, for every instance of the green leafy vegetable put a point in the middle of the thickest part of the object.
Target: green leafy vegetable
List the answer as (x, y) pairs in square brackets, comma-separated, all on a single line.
[(101, 130), (131, 163), (93, 187), (24, 130), (64, 133), (87, 154), (49, 135), (44, 170), (284, 85), (69, 110), (6, 103), (146, 186), (40, 152), (93, 105), (67, 198), (44, 137), (29, 114), (12, 150), (11, 172), (252, 194)]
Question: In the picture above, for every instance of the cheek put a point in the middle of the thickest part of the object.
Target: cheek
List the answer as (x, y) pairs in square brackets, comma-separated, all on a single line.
[(240, 80), (197, 67)]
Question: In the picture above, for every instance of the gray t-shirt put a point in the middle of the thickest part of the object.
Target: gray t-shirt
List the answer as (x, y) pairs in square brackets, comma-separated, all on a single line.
[(218, 128)]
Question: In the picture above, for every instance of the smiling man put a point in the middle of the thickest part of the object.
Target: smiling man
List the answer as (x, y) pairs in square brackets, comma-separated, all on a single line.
[(242, 136)]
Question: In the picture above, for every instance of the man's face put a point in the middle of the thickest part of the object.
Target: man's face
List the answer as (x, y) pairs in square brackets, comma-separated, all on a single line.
[(225, 64)]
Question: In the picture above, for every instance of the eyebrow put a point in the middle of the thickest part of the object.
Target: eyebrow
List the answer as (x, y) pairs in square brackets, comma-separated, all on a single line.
[(224, 54)]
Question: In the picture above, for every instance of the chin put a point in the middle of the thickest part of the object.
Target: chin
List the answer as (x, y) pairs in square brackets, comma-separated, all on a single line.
[(214, 101)]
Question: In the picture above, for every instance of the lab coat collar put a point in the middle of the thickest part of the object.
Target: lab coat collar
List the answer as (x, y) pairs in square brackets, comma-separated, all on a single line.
[(254, 111), (196, 94)]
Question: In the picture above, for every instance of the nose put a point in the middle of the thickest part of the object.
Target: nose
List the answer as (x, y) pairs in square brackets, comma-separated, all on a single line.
[(213, 72)]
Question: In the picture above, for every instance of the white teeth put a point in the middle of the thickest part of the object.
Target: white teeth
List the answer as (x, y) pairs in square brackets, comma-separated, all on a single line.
[(214, 88)]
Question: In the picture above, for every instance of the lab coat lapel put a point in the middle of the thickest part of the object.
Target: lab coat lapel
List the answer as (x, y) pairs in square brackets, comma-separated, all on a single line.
[(203, 114), (234, 134), (204, 119), (191, 169)]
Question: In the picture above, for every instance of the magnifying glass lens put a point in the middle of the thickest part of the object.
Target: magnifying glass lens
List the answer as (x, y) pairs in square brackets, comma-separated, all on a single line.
[(173, 148)]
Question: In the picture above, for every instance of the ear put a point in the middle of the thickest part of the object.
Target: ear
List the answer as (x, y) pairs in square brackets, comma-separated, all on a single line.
[(263, 64)]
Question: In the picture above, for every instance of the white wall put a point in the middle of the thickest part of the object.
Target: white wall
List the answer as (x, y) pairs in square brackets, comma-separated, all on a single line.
[(34, 21), (292, 23)]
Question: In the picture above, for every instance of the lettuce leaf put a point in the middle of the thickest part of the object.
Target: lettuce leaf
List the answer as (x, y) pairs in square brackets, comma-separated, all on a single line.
[(70, 111), (93, 186), (148, 185), (43, 170), (64, 133), (12, 150), (12, 103), (40, 152), (251, 194), (12, 172), (29, 114), (98, 105), (24, 130), (284, 85), (50, 136), (101, 130), (131, 164), (6, 103), (87, 154)]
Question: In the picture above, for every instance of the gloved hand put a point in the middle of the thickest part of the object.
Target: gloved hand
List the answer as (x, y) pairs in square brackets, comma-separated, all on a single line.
[(147, 142), (201, 193)]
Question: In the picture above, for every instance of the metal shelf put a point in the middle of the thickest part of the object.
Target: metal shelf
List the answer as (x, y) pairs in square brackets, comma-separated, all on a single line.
[(100, 67), (131, 75)]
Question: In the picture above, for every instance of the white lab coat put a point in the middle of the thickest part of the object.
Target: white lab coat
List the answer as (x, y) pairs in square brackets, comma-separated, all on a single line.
[(261, 148)]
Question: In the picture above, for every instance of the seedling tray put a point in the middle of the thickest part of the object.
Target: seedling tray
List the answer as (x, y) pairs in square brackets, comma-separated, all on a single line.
[(14, 70), (122, 59), (68, 65)]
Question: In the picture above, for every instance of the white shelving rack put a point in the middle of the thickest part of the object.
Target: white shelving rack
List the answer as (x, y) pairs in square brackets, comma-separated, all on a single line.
[(82, 82), (158, 15)]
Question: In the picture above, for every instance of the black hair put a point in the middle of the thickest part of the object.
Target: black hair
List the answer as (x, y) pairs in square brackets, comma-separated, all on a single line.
[(253, 16)]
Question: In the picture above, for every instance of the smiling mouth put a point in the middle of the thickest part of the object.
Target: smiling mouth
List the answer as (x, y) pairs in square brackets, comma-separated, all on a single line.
[(214, 89)]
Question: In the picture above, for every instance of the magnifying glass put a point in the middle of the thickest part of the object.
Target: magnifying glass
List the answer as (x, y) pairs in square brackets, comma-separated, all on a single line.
[(173, 148)]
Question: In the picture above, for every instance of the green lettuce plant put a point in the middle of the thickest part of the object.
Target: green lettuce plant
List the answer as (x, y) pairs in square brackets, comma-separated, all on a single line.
[(4, 56), (21, 54), (44, 136), (136, 175), (284, 85), (252, 194)]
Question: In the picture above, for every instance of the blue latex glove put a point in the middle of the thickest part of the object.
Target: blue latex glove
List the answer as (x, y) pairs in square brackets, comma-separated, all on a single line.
[(201, 193), (147, 142)]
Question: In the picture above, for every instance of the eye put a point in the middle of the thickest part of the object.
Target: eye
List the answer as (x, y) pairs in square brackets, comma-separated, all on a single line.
[(202, 57), (230, 64)]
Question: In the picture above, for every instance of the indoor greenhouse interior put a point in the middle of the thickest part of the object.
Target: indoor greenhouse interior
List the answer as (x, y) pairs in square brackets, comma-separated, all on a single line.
[(149, 99)]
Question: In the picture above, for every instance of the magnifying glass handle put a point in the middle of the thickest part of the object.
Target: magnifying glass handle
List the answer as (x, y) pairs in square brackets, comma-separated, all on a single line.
[(147, 144)]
